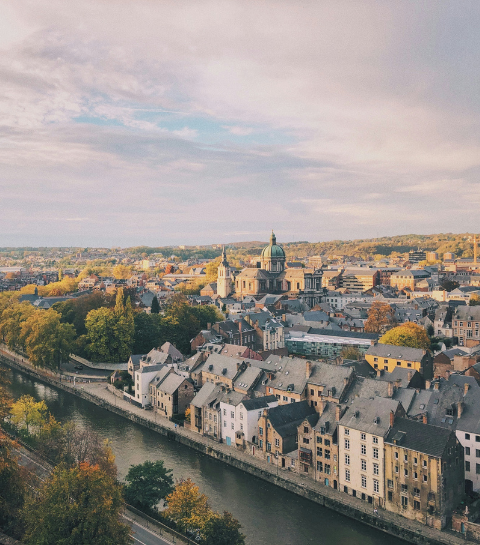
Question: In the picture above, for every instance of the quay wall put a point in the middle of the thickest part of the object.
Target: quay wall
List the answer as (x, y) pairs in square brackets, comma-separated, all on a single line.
[(349, 506)]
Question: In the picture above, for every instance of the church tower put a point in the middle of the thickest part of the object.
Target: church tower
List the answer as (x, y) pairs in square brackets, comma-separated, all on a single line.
[(224, 279)]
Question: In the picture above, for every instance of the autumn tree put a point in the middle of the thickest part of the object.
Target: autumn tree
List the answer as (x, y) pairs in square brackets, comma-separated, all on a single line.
[(187, 507), (474, 300), (48, 342), (381, 318), (211, 270), (147, 484), (122, 272), (26, 412), (223, 530), (351, 353), (12, 320), (79, 504), (408, 334)]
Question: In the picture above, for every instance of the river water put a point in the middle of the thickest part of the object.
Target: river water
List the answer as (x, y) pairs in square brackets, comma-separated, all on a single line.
[(269, 515)]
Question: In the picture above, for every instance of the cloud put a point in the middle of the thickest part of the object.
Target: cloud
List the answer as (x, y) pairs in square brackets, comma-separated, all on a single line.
[(350, 118)]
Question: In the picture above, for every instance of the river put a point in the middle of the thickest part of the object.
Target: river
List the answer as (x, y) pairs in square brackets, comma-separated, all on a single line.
[(269, 515)]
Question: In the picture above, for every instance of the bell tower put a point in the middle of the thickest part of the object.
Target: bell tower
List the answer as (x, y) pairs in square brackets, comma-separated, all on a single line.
[(224, 279)]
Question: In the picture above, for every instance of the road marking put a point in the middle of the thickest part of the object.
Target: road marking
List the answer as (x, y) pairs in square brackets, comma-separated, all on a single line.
[(136, 539)]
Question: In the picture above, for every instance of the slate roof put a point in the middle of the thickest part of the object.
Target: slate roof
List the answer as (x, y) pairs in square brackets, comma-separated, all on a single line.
[(467, 313), (370, 415), (150, 368), (330, 377), (248, 378), (258, 403), (136, 358), (231, 398), (207, 392), (171, 383), (169, 348), (419, 437), (285, 419), (399, 352), (216, 364)]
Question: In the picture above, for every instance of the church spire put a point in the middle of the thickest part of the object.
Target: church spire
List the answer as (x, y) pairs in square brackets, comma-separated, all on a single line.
[(273, 239)]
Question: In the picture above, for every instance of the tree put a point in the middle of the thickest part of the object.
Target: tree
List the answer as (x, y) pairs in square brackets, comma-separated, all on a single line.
[(76, 505), (211, 270), (155, 308), (148, 483), (13, 485), (223, 530), (408, 334), (122, 272), (450, 285), (187, 507), (381, 318), (48, 342), (12, 320), (27, 412), (474, 300), (351, 353)]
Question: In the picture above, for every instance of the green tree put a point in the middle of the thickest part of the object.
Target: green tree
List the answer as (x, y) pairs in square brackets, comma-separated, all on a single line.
[(12, 321), (27, 412), (450, 285), (187, 507), (381, 318), (211, 270), (351, 353), (13, 486), (48, 342), (223, 530), (155, 308), (148, 483), (122, 272), (148, 332), (76, 505), (408, 334)]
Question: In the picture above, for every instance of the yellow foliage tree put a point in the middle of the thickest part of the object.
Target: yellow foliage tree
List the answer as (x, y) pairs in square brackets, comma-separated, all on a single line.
[(187, 507), (408, 334), (27, 412), (122, 272)]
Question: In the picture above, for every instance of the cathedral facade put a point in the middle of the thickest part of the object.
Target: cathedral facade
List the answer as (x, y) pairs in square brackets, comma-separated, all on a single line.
[(271, 276)]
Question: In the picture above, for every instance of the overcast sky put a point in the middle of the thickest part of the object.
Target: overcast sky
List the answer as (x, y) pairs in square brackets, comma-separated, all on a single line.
[(193, 122)]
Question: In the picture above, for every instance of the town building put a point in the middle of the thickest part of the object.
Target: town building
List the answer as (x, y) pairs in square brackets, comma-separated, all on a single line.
[(389, 356), (424, 475)]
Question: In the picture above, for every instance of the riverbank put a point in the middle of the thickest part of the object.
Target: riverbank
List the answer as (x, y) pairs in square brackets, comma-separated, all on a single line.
[(347, 505)]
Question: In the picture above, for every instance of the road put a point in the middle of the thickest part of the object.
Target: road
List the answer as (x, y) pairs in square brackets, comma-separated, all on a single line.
[(141, 535)]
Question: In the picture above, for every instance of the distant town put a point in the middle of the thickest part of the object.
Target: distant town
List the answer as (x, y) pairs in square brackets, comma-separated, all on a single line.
[(360, 371)]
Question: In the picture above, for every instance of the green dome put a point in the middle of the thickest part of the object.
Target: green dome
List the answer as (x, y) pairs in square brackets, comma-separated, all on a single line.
[(273, 250)]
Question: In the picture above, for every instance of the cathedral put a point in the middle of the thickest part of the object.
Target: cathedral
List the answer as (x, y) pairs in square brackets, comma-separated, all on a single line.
[(270, 276)]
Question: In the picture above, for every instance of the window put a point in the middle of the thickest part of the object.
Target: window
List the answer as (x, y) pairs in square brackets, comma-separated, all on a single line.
[(385, 361), (405, 458), (425, 478), (260, 431), (404, 489), (364, 465), (376, 486), (375, 453), (311, 392), (363, 437), (467, 451), (347, 460), (415, 461), (364, 481), (390, 483), (363, 449), (269, 446), (375, 469), (416, 492), (233, 426), (319, 439), (396, 469), (416, 505), (390, 496), (327, 454), (477, 453), (241, 416), (399, 363), (424, 463), (477, 438), (305, 429), (241, 427), (405, 472), (224, 412), (404, 502), (261, 443), (232, 414), (327, 442), (375, 440), (415, 475), (396, 456), (347, 431), (224, 423), (319, 466), (285, 398), (347, 475), (327, 469), (319, 451), (347, 444)]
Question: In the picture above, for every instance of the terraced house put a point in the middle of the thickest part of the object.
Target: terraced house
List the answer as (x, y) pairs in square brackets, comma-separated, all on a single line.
[(388, 357)]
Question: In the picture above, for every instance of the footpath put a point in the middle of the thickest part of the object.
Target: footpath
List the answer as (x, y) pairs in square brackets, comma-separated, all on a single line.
[(101, 395)]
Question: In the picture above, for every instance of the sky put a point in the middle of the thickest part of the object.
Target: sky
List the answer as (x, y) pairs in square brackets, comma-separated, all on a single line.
[(126, 122)]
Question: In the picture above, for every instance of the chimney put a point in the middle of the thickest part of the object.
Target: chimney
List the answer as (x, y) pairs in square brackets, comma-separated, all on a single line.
[(459, 409), (447, 374), (398, 383), (390, 389), (410, 376), (437, 385), (209, 326), (308, 369), (392, 418), (466, 386), (265, 412), (425, 418), (428, 383), (338, 413), (322, 406)]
